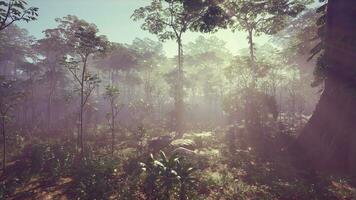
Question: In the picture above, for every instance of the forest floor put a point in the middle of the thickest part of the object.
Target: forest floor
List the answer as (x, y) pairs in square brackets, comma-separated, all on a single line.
[(40, 189), (243, 174)]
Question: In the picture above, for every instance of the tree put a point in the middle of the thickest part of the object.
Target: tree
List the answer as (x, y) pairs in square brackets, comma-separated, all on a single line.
[(82, 37), (150, 54), (120, 58), (261, 17), (240, 95), (111, 94), (206, 57), (16, 10), (15, 47), (298, 44), (30, 83), (121, 65), (329, 138), (170, 19), (10, 96), (52, 48), (16, 51), (256, 18)]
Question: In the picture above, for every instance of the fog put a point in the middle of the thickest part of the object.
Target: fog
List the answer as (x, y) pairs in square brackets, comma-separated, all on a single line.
[(167, 99)]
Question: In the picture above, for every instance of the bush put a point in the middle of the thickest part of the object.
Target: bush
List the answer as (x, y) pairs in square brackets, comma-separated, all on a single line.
[(95, 178), (168, 177), (55, 160)]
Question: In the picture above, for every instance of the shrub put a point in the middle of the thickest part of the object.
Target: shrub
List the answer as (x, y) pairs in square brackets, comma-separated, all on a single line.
[(168, 177), (53, 159), (94, 178)]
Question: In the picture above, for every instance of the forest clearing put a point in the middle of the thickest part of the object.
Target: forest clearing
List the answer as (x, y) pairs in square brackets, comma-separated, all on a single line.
[(178, 99)]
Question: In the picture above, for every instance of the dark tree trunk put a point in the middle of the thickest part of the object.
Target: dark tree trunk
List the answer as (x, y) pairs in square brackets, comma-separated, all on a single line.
[(329, 138), (4, 145), (82, 104), (251, 112), (52, 87), (112, 127), (251, 47)]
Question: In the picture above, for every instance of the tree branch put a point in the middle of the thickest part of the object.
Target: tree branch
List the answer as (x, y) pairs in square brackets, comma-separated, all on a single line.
[(75, 76), (3, 23), (90, 89)]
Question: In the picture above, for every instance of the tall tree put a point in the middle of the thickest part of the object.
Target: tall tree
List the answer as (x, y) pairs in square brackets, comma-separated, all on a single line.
[(170, 19), (16, 10), (150, 54), (206, 57), (15, 47), (258, 17), (329, 137), (112, 94), (52, 48), (16, 51), (10, 96), (83, 38), (120, 58)]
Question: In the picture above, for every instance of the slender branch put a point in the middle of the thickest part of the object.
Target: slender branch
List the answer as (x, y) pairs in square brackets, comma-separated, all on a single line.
[(172, 18), (75, 76), (4, 25), (90, 89)]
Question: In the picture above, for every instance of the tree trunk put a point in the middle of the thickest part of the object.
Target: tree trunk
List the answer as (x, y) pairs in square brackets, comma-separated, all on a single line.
[(33, 104), (329, 138), (179, 107), (49, 112), (112, 127), (82, 107), (251, 113), (251, 47), (52, 88), (4, 145), (252, 57)]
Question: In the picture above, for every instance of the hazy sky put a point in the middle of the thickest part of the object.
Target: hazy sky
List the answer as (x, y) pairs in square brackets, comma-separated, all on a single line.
[(113, 19)]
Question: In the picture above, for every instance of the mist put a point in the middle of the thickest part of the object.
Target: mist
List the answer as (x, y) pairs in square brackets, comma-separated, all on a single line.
[(177, 99)]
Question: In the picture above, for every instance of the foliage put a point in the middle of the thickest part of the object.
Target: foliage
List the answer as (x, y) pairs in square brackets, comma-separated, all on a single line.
[(82, 36), (177, 15), (168, 177), (16, 44), (233, 188), (266, 17), (169, 20), (242, 110), (16, 10), (84, 42), (94, 179), (119, 57), (11, 95), (56, 160), (237, 102), (112, 94)]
